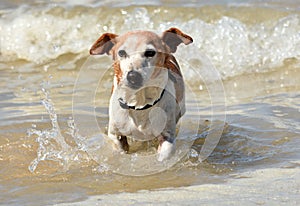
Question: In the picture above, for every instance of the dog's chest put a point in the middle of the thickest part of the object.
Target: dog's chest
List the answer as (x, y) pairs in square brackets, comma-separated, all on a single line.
[(142, 125)]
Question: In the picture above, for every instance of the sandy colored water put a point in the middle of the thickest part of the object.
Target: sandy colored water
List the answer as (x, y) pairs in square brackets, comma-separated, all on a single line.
[(253, 49), (274, 186)]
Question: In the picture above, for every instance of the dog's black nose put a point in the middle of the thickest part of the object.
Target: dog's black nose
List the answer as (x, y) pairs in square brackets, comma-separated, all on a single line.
[(135, 79)]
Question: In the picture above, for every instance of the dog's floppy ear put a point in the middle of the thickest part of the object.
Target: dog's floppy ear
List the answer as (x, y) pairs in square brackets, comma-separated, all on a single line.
[(103, 44), (173, 37)]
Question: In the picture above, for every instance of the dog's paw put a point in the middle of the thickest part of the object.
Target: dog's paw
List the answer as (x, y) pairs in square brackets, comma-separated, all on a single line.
[(165, 151)]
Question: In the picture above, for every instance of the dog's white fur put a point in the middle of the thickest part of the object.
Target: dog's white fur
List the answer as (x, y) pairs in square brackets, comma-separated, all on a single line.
[(160, 83)]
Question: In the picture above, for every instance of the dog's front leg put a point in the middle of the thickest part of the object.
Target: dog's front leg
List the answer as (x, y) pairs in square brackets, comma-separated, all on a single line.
[(120, 143), (166, 138), (166, 147)]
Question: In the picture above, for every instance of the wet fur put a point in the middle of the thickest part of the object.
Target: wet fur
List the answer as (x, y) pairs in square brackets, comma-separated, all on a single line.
[(162, 72)]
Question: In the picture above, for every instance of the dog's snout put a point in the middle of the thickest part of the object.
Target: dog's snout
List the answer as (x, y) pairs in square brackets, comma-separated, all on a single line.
[(135, 79)]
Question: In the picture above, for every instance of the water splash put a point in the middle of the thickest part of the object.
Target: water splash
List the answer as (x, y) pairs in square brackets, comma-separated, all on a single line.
[(52, 144)]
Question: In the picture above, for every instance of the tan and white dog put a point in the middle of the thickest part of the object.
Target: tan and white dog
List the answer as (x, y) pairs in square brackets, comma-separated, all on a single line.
[(148, 90)]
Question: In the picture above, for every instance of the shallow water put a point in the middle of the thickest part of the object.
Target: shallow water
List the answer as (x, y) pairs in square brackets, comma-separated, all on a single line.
[(251, 50)]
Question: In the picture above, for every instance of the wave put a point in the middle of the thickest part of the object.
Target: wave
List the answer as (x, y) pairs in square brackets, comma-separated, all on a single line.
[(233, 44)]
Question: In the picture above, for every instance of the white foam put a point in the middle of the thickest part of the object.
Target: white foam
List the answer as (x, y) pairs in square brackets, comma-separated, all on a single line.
[(36, 36), (235, 48), (40, 35)]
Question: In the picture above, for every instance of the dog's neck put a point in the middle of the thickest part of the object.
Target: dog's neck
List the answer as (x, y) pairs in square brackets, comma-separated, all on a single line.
[(142, 99), (124, 105)]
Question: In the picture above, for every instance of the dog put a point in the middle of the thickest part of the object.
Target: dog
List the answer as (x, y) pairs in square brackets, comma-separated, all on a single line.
[(147, 97)]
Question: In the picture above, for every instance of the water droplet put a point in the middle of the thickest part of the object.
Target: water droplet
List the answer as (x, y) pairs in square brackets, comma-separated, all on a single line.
[(46, 68), (56, 48), (123, 12), (193, 153)]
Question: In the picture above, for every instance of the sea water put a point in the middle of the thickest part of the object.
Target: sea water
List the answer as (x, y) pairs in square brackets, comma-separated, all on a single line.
[(242, 81)]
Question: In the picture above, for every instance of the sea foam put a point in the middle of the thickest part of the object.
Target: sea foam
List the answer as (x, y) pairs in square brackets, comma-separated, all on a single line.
[(42, 34)]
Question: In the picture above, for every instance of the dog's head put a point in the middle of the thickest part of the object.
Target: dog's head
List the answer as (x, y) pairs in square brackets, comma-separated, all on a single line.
[(141, 56)]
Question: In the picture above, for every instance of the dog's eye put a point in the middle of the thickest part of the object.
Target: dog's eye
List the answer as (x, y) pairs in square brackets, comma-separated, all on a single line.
[(122, 53), (149, 53)]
